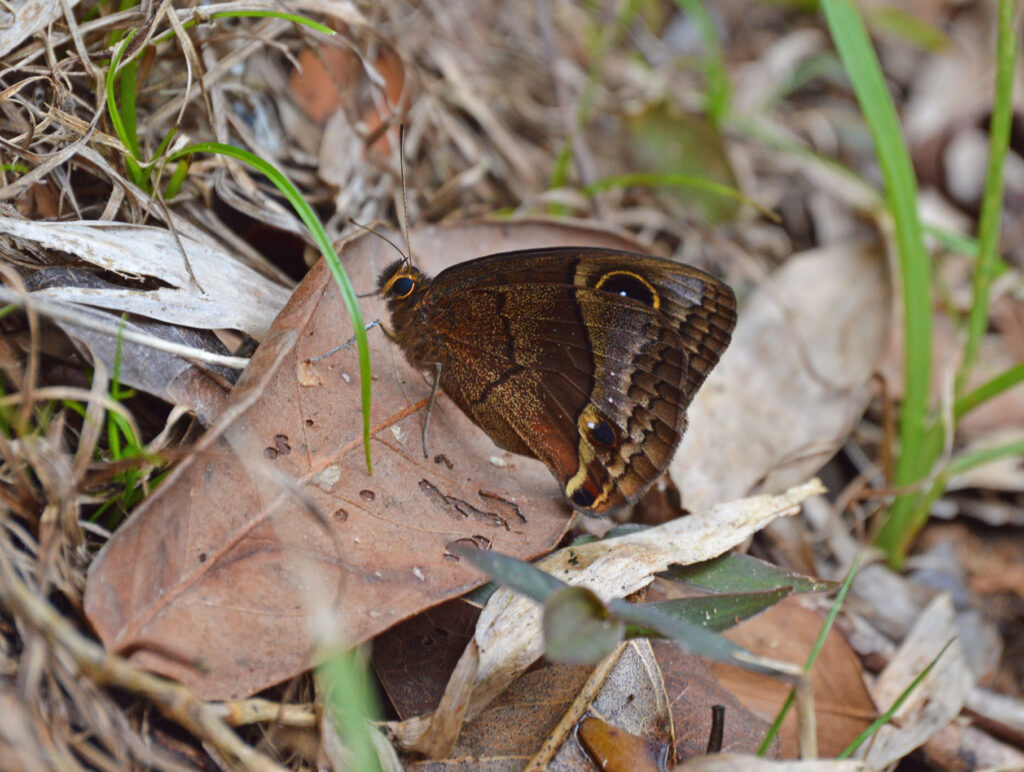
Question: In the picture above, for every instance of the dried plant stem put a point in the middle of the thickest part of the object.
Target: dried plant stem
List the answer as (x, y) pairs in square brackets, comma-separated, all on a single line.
[(174, 701)]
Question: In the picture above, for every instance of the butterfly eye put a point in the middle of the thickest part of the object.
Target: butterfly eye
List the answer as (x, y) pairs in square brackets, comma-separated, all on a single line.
[(402, 287)]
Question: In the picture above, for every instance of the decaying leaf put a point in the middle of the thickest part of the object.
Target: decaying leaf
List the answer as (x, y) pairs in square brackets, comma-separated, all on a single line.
[(650, 691), (842, 703), (794, 380), (206, 288), (936, 701)]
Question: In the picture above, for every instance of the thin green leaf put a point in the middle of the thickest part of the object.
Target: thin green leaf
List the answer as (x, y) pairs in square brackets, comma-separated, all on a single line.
[(257, 14), (717, 88), (177, 180), (316, 229), (992, 201), (910, 512), (716, 612), (352, 701), (997, 385), (742, 573), (694, 638), (111, 85), (865, 73)]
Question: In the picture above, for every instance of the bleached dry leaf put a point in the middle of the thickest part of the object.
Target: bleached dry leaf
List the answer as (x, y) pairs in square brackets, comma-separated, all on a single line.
[(29, 16), (794, 380), (229, 296), (936, 701), (508, 633)]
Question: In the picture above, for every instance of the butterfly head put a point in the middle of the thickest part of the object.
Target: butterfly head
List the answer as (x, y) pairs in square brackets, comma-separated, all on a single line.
[(400, 282)]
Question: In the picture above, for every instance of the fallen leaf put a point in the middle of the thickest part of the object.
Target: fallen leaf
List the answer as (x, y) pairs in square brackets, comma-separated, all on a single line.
[(205, 288), (413, 659), (202, 389), (787, 631), (693, 690), (219, 577), (794, 381), (936, 701)]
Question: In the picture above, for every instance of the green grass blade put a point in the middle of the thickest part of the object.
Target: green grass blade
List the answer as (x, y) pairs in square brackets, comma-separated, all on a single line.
[(352, 702), (887, 716), (311, 221), (992, 201), (909, 512), (717, 88), (773, 730), (988, 390), (252, 14), (111, 85), (865, 73)]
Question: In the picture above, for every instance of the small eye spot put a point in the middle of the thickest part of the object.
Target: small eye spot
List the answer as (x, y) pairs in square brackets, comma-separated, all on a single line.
[(581, 497), (602, 433), (402, 287)]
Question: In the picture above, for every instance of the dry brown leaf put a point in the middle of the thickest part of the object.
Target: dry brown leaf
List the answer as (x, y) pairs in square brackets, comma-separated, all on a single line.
[(616, 750), (641, 691), (692, 691), (842, 703), (199, 284), (413, 659), (216, 578), (793, 382)]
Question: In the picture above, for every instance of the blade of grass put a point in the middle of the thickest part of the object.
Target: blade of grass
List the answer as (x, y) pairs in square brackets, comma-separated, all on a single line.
[(250, 14), (316, 229), (717, 88), (920, 513), (992, 201), (352, 702), (909, 513), (886, 717), (865, 73)]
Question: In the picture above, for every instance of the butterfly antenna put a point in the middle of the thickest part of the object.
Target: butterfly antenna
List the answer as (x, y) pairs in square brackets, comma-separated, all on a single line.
[(380, 235), (405, 199)]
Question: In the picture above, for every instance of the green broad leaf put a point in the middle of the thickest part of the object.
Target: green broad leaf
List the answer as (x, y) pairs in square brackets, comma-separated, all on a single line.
[(578, 628), (743, 574), (716, 612)]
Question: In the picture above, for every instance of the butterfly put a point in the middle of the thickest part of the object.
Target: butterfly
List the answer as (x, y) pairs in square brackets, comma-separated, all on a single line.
[(583, 358)]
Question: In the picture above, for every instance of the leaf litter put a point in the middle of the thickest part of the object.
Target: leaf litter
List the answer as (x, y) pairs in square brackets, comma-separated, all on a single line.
[(268, 524)]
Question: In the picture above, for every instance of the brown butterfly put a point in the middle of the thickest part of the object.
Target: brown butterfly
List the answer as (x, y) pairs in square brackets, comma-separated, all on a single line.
[(583, 358)]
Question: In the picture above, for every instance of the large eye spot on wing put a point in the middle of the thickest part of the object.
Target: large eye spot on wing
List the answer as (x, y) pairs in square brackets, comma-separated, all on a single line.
[(628, 284)]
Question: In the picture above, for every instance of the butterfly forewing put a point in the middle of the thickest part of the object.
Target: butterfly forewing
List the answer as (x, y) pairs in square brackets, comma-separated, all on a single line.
[(584, 358)]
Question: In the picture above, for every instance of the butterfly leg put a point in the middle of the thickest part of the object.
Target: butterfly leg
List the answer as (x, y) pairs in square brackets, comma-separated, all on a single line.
[(430, 403)]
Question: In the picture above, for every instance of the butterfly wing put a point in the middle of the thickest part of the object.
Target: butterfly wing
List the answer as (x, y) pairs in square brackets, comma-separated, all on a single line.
[(585, 359)]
